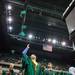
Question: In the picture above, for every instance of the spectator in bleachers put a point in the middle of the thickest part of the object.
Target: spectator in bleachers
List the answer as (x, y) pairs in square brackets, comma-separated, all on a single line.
[(57, 68), (11, 71), (49, 66), (2, 72), (49, 70)]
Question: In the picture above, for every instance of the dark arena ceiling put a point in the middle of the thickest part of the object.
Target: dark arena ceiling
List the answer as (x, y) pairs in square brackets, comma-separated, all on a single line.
[(42, 18)]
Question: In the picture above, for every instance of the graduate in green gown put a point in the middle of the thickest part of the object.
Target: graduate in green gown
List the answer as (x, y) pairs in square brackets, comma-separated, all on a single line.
[(2, 72), (49, 70), (43, 67), (30, 64)]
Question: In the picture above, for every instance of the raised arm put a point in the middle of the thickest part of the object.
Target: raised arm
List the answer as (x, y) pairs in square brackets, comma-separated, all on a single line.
[(25, 50)]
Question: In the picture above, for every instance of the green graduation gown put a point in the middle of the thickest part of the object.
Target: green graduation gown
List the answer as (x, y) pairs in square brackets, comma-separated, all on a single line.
[(3, 72), (29, 67)]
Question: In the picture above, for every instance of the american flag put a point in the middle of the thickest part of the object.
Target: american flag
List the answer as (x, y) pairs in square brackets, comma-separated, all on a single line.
[(47, 47)]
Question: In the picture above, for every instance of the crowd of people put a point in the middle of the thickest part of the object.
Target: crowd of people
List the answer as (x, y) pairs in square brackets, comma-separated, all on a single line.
[(30, 66)]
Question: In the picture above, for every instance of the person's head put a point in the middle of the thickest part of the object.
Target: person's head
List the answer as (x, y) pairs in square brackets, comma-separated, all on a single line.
[(33, 57), (43, 66), (57, 68), (11, 66), (49, 65)]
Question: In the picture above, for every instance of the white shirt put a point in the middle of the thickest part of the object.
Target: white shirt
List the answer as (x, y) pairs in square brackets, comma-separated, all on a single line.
[(72, 70)]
